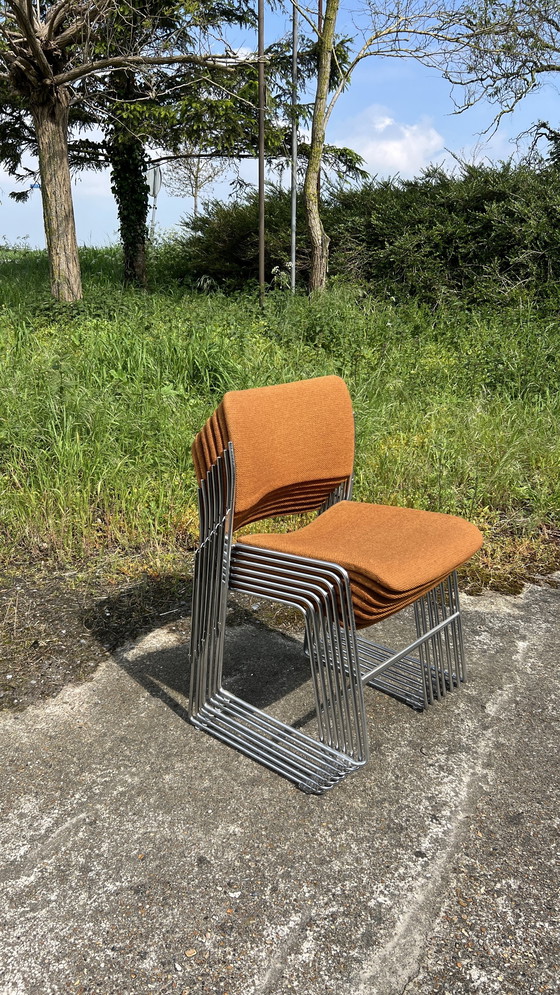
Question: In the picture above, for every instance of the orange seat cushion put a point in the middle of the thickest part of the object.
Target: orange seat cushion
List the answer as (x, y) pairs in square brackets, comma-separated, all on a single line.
[(398, 551)]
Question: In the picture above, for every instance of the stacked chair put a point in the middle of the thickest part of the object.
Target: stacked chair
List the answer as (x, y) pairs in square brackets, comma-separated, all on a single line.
[(288, 449)]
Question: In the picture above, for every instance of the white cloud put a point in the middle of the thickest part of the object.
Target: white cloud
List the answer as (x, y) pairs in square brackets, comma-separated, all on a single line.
[(389, 146), (382, 122)]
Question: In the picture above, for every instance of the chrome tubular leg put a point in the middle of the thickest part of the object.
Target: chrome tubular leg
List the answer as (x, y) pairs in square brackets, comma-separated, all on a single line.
[(442, 653), (433, 664), (318, 591), (422, 618), (435, 641), (458, 646), (339, 697), (210, 582)]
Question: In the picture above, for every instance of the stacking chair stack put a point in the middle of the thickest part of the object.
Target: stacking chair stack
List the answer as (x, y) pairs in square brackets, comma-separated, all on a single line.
[(289, 449)]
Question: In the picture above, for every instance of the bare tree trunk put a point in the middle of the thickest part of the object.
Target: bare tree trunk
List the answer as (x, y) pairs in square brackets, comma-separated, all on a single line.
[(319, 239), (51, 126)]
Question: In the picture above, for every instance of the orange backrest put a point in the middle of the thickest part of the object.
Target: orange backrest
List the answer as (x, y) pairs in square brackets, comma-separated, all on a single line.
[(293, 444)]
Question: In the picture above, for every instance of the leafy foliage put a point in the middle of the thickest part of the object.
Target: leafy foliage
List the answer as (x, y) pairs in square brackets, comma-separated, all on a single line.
[(54, 57), (489, 232), (128, 183), (220, 246), (486, 233)]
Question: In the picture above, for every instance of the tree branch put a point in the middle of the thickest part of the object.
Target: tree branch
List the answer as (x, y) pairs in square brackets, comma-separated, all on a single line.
[(305, 16), (223, 62), (56, 17), (31, 38), (81, 28), (31, 13)]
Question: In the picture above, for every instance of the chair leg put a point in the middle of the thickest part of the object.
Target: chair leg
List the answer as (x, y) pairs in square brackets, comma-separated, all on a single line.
[(208, 626), (210, 583), (314, 765), (442, 654), (403, 679), (432, 665)]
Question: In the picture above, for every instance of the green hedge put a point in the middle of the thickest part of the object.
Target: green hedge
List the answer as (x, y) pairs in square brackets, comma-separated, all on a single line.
[(486, 234)]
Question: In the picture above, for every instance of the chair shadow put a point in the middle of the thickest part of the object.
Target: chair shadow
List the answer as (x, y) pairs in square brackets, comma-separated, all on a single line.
[(262, 664)]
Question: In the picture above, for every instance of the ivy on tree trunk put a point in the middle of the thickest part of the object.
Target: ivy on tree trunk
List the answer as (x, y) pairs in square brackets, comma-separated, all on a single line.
[(126, 154)]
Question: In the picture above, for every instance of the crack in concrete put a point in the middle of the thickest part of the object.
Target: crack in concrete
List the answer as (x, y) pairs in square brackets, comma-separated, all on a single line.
[(414, 977)]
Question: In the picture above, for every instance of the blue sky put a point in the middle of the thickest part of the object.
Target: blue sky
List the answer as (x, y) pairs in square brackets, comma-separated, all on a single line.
[(396, 113)]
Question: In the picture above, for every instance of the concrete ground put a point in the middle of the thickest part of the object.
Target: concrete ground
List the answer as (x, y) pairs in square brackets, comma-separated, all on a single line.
[(139, 855)]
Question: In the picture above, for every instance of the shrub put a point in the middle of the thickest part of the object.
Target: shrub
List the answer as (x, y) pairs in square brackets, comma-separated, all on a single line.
[(488, 233), (485, 234), (220, 247)]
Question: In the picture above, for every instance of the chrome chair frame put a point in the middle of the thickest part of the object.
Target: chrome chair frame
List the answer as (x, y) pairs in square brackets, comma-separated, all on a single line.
[(341, 662)]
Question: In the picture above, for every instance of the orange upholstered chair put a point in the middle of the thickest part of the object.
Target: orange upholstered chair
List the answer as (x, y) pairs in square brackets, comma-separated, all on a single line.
[(290, 448)]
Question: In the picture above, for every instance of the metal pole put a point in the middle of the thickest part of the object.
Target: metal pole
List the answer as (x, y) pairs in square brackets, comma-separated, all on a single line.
[(261, 97), (294, 145)]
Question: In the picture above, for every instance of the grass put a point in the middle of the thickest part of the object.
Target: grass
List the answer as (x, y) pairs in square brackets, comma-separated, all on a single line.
[(99, 401)]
